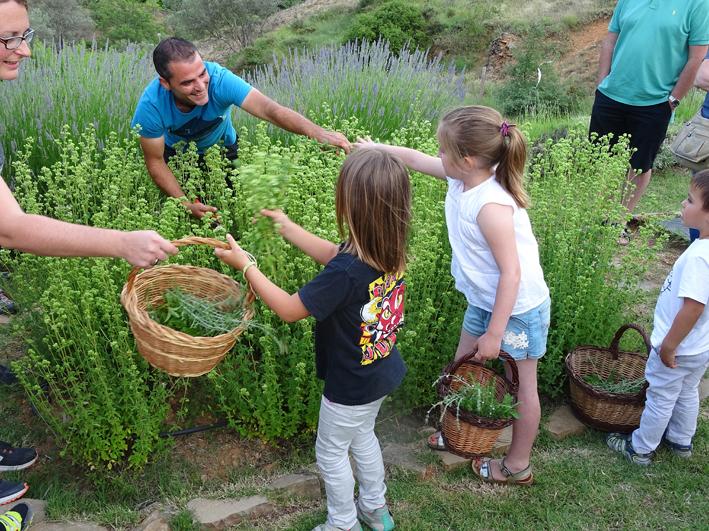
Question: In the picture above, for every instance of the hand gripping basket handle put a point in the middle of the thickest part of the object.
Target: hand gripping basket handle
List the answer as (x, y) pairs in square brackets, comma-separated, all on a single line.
[(616, 339), (193, 240), (455, 365)]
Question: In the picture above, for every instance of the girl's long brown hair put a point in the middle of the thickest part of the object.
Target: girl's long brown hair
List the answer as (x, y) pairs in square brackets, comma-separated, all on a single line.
[(373, 203), (477, 131)]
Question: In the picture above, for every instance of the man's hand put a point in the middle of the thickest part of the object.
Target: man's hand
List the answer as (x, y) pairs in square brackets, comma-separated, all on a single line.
[(334, 138), (236, 257), (667, 355), (198, 209), (488, 347), (145, 248)]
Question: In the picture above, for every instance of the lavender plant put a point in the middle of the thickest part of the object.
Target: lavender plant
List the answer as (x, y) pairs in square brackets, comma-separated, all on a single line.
[(74, 85), (365, 80)]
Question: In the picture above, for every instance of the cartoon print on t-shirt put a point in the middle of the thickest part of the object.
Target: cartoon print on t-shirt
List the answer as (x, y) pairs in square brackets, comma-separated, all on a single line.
[(382, 316)]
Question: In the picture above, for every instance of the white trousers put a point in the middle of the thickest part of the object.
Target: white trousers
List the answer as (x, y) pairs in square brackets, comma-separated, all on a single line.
[(672, 401), (342, 428)]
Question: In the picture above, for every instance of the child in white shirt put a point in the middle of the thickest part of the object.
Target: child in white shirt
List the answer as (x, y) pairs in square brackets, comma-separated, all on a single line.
[(680, 341)]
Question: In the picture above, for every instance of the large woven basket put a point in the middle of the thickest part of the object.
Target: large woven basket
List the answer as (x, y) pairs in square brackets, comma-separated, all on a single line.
[(175, 352), (618, 412), (464, 433)]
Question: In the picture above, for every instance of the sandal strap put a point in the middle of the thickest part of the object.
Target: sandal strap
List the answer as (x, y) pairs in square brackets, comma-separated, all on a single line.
[(515, 476)]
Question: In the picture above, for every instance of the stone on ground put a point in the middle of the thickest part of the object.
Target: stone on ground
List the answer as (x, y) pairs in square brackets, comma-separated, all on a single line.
[(67, 526), (222, 514), (563, 424), (405, 457), (451, 461), (157, 520), (502, 444), (704, 389), (39, 510), (304, 485), (4, 319)]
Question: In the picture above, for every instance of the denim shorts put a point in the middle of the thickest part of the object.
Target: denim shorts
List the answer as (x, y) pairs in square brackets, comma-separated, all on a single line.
[(525, 336)]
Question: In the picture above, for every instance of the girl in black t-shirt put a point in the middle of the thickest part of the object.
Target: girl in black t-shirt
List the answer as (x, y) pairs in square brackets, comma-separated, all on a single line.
[(358, 303)]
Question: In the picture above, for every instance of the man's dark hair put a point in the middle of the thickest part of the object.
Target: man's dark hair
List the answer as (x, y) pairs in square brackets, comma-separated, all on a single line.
[(171, 49)]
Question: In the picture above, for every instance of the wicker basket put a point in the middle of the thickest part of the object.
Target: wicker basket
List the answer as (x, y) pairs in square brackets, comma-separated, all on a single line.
[(175, 352), (618, 412), (469, 435)]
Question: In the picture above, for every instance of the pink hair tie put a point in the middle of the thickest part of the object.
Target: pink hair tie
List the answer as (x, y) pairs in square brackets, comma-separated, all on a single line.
[(505, 128)]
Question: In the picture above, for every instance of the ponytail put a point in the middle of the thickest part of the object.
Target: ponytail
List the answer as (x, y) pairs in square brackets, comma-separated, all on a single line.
[(510, 169), (481, 132)]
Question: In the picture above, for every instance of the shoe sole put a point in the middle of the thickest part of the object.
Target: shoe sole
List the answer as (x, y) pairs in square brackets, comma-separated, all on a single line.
[(8, 468), (15, 496)]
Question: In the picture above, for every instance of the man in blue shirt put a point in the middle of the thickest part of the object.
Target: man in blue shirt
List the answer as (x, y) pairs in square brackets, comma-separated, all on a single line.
[(191, 101)]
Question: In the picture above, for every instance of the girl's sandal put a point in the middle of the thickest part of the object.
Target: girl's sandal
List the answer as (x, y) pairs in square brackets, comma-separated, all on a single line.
[(435, 441), (482, 469)]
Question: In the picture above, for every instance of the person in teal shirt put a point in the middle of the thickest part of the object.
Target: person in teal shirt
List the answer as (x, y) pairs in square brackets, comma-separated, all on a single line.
[(191, 101), (647, 64)]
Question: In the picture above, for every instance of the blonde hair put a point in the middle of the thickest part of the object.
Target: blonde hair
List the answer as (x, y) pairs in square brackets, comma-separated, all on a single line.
[(373, 201), (478, 131)]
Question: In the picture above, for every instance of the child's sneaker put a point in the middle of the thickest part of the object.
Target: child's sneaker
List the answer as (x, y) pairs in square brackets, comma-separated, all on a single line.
[(680, 450), (7, 305), (12, 458), (620, 442), (16, 519), (328, 527), (11, 491), (378, 520)]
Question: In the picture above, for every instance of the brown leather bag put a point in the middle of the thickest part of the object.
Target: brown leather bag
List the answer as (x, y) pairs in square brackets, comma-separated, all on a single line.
[(691, 145)]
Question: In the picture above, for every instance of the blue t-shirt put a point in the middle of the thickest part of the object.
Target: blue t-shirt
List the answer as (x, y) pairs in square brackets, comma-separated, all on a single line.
[(358, 311), (205, 125)]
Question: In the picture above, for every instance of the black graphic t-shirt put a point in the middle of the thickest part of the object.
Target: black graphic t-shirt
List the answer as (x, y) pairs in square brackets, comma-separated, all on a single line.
[(359, 311)]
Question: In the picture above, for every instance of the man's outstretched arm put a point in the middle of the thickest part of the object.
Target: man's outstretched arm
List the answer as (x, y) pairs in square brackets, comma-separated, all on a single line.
[(265, 108)]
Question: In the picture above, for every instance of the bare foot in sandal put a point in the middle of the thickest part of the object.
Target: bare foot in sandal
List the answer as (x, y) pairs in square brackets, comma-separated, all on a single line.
[(435, 441), (495, 471)]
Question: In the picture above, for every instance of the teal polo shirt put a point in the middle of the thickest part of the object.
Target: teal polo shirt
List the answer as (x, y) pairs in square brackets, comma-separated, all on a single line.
[(652, 47)]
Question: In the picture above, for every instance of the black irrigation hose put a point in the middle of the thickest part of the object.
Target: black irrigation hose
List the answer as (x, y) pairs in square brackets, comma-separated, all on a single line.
[(194, 429)]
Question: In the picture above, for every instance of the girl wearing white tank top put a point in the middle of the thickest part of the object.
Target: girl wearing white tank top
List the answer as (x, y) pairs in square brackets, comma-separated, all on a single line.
[(495, 261)]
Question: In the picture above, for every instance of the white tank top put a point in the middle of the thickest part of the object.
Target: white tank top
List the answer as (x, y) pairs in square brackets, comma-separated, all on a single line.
[(473, 266)]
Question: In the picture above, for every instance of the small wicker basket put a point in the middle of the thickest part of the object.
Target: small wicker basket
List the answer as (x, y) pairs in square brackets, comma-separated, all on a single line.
[(175, 352), (606, 411), (464, 433)]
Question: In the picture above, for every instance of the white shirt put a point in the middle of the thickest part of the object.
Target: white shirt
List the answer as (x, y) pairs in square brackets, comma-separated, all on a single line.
[(473, 266), (689, 278)]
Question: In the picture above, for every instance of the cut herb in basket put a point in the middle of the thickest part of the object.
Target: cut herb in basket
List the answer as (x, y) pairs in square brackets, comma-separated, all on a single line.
[(479, 399), (196, 316), (614, 383)]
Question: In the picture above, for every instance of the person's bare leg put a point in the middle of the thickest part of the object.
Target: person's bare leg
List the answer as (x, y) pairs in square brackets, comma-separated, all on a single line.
[(525, 428), (640, 182)]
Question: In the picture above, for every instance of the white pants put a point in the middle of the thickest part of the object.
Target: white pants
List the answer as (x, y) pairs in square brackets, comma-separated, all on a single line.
[(342, 428), (672, 401)]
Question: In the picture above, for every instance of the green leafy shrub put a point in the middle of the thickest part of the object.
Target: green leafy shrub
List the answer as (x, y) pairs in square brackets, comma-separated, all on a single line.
[(125, 21), (525, 92), (575, 187), (398, 22)]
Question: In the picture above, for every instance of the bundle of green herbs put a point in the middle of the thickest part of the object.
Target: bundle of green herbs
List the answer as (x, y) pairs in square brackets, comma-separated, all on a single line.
[(615, 383), (477, 398), (196, 316)]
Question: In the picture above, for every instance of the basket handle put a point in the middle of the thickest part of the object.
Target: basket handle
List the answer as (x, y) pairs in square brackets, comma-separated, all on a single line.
[(452, 367), (193, 240), (616, 338)]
